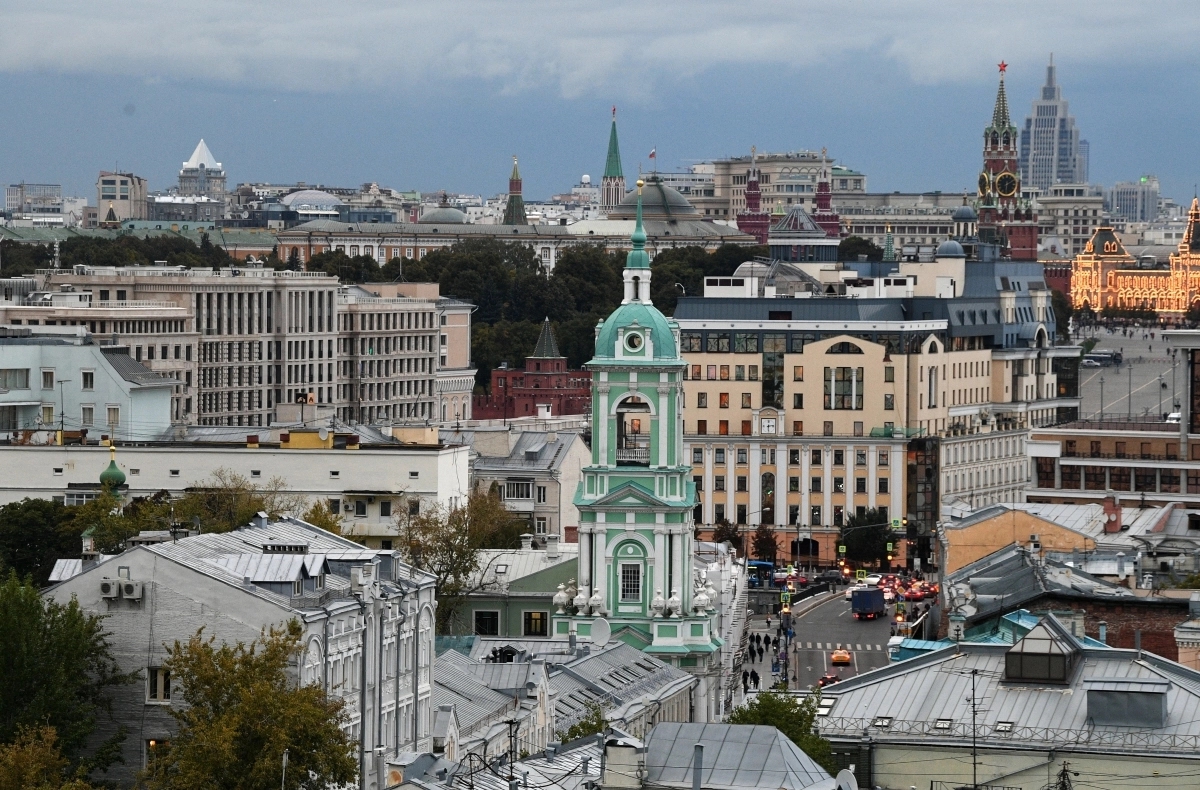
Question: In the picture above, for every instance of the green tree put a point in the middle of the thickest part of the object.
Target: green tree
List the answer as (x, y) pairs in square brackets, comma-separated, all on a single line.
[(724, 532), (794, 717), (446, 542), (866, 537), (764, 544), (33, 761), (688, 266), (227, 500), (853, 246), (33, 535), (241, 710), (56, 668), (593, 721), (319, 515), (1062, 314)]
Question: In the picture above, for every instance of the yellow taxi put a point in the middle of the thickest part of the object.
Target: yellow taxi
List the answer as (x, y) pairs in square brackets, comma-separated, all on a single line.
[(839, 657)]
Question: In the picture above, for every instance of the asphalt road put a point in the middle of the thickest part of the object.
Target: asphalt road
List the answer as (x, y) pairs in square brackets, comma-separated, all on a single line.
[(1139, 395), (825, 628)]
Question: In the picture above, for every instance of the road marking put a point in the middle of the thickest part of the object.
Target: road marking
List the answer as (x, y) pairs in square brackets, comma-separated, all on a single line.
[(858, 647), (808, 645)]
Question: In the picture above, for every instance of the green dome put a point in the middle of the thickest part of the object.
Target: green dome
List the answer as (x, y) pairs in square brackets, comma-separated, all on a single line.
[(643, 316), (112, 477)]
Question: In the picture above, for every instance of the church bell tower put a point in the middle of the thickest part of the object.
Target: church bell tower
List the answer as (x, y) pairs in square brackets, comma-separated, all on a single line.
[(637, 574), (1005, 219)]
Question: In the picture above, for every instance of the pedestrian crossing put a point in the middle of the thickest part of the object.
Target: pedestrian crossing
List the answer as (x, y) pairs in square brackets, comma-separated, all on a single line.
[(837, 646)]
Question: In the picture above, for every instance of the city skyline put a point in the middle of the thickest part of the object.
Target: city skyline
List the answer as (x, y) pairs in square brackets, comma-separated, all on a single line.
[(274, 106)]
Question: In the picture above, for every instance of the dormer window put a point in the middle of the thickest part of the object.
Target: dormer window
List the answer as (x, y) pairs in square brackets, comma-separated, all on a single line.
[(1043, 656), (633, 341)]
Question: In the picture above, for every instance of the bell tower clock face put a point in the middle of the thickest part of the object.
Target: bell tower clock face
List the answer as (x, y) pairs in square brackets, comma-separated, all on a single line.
[(984, 183), (1006, 184)]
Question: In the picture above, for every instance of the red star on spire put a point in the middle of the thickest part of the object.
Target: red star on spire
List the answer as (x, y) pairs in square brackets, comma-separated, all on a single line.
[(1003, 67)]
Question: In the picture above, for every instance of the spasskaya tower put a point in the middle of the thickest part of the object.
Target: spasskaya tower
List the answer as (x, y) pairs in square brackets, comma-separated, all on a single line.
[(1004, 218)]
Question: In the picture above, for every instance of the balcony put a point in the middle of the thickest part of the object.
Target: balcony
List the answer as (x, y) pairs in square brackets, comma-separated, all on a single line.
[(633, 456)]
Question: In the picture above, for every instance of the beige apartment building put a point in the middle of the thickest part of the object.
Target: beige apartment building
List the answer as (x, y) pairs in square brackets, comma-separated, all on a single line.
[(265, 336), (1070, 212), (124, 193), (785, 179), (387, 356)]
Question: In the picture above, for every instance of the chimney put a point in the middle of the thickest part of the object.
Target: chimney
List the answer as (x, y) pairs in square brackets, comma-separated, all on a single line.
[(1194, 606), (552, 547), (1112, 515), (698, 766), (1121, 565), (526, 541)]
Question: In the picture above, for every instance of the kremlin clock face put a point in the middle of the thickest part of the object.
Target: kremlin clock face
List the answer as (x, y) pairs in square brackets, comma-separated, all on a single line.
[(1006, 184), (984, 184)]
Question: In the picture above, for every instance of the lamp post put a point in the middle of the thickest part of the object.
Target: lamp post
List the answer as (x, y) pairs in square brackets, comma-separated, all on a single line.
[(1161, 385), (1129, 395), (62, 409), (1102, 399)]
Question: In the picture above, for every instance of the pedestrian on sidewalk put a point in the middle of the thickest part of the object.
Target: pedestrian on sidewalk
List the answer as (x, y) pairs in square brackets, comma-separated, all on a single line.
[(745, 681), (754, 679)]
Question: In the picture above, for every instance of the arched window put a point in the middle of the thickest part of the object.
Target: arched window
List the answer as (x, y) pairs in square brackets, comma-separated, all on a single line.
[(768, 502), (633, 432), (630, 561)]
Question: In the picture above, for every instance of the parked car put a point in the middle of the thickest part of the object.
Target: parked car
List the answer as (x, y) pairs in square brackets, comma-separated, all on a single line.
[(1090, 363)]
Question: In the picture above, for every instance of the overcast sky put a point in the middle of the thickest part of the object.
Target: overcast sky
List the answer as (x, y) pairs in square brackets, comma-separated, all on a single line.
[(440, 95)]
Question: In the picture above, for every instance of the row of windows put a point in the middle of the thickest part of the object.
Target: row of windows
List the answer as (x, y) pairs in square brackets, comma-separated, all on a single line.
[(815, 484), (750, 372), (838, 457), (815, 514), (767, 427)]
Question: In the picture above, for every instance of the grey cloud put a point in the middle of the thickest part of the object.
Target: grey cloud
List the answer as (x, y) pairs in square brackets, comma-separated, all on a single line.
[(621, 49)]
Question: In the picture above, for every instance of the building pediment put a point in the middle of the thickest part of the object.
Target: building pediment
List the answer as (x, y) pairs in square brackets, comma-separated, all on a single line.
[(627, 495)]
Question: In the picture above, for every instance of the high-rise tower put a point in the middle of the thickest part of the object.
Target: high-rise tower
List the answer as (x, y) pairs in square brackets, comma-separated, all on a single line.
[(637, 575), (514, 209), (1005, 220), (612, 185), (754, 220), (1051, 151)]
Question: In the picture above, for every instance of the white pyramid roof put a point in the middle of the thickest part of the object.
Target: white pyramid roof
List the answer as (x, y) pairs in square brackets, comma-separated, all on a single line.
[(202, 156)]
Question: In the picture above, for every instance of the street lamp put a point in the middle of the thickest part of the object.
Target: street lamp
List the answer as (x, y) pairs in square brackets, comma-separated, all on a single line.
[(1129, 395), (1102, 399), (1161, 385), (62, 409)]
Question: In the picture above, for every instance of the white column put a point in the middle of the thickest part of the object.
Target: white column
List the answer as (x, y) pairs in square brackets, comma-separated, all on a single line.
[(827, 485), (660, 562), (781, 489), (710, 493), (600, 530), (663, 422), (871, 475), (754, 516), (805, 458), (585, 555), (602, 428)]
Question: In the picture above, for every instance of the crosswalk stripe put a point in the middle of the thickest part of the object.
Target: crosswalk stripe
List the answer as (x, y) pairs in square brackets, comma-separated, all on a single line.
[(877, 647), (858, 647)]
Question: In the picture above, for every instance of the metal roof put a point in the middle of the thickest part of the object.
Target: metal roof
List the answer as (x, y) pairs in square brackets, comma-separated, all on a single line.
[(456, 684), (735, 756), (519, 563), (914, 695), (133, 371), (613, 676), (531, 451)]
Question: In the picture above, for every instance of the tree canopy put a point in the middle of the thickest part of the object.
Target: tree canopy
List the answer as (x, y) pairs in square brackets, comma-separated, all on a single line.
[(794, 717), (866, 537), (764, 543), (446, 542), (56, 667), (241, 711), (851, 247)]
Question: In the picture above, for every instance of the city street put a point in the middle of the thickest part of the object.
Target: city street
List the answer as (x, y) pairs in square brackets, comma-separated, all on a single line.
[(823, 629), (1147, 359)]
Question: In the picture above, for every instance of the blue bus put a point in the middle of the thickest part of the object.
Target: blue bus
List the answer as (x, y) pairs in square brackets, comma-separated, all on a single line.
[(760, 572)]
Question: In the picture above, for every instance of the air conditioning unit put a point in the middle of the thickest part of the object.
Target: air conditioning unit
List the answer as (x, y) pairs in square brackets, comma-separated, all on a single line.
[(131, 591), (110, 588)]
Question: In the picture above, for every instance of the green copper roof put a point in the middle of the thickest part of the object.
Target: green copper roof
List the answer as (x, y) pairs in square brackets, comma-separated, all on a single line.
[(638, 258), (612, 167), (644, 316), (547, 346), (514, 211)]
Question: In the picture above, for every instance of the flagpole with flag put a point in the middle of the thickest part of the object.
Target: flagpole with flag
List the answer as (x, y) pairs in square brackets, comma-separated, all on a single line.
[(654, 156)]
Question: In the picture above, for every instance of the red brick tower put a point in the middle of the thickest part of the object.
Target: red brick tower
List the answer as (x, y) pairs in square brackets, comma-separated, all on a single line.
[(754, 220), (1004, 218)]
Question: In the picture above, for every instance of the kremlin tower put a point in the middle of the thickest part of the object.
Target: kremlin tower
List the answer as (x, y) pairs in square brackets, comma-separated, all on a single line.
[(514, 210), (612, 185), (824, 215), (1005, 219)]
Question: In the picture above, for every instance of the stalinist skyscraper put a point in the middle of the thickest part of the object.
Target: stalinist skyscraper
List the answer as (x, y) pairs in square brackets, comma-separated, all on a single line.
[(1051, 151)]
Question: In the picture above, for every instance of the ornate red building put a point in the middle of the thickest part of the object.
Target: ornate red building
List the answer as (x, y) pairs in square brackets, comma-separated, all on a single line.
[(754, 220), (1004, 218), (824, 216), (545, 381)]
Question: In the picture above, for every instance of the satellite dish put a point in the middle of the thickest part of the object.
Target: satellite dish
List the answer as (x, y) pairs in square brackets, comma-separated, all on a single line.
[(323, 434), (846, 780), (602, 632)]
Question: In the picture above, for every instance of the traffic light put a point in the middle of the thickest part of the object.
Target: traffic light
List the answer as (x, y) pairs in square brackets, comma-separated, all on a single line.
[(899, 618)]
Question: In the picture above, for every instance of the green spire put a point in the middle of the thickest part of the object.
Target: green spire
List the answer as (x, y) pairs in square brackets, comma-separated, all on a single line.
[(638, 258), (1000, 119), (612, 167), (889, 248), (547, 346), (516, 174)]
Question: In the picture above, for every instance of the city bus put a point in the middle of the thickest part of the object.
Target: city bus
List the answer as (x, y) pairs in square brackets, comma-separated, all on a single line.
[(760, 572), (1104, 359)]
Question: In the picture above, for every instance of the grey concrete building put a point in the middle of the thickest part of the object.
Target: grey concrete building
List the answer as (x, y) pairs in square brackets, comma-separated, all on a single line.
[(1051, 151), (367, 619), (203, 176)]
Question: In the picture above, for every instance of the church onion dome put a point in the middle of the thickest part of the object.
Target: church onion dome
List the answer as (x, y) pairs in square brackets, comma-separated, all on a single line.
[(659, 202), (950, 249), (443, 215), (112, 477), (311, 199), (965, 214)]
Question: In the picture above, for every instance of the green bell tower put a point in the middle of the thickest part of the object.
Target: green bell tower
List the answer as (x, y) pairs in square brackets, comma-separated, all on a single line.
[(637, 576)]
